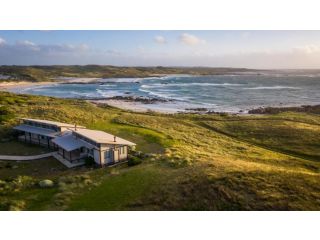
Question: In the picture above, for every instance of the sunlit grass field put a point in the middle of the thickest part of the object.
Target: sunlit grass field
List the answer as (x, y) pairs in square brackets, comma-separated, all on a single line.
[(195, 162)]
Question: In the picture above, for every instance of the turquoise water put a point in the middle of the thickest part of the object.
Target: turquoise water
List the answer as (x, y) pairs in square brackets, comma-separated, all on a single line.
[(229, 93)]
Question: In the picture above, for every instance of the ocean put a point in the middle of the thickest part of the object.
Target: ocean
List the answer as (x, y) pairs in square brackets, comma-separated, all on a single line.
[(221, 93)]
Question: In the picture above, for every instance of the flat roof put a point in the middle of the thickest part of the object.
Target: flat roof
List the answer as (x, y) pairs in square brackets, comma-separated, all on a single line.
[(102, 137), (68, 142), (36, 130), (59, 124)]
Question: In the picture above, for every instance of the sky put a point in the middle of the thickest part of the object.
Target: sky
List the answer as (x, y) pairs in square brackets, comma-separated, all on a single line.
[(249, 49)]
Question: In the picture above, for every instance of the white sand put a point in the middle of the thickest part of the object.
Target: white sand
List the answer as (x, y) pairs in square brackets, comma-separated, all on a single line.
[(136, 106), (6, 86)]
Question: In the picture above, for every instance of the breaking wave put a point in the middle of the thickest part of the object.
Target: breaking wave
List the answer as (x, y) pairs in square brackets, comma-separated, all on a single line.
[(162, 85), (271, 88)]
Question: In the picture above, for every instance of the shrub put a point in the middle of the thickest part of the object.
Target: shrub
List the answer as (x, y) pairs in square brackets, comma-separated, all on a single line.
[(5, 114), (16, 205), (89, 161), (133, 160), (23, 182)]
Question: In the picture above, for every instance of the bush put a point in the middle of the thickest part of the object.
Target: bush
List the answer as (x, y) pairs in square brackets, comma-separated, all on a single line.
[(16, 205), (89, 161), (5, 114), (134, 161)]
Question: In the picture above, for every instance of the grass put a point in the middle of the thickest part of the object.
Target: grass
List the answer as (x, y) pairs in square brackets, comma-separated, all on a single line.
[(121, 191), (20, 148), (47, 73), (199, 162), (280, 135), (47, 167)]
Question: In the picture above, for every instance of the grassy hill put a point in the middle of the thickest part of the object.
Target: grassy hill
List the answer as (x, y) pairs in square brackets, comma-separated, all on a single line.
[(194, 162), (46, 73)]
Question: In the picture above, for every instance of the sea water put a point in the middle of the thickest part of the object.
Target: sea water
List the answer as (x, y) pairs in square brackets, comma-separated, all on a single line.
[(222, 93)]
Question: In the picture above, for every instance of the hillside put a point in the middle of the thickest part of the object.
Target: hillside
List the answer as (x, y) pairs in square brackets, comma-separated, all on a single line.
[(193, 162), (47, 73)]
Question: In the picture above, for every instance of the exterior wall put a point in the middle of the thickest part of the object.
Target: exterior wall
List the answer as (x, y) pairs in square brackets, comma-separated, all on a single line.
[(41, 125), (96, 156), (116, 154), (123, 152), (72, 156), (37, 139)]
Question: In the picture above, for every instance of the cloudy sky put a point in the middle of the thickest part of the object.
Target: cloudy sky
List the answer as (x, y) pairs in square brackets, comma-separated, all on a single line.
[(251, 49)]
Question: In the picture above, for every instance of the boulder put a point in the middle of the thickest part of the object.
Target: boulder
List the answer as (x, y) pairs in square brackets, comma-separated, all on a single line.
[(46, 183)]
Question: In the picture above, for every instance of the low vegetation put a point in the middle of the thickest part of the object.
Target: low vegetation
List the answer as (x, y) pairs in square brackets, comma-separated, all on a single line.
[(14, 147), (186, 161), (48, 73)]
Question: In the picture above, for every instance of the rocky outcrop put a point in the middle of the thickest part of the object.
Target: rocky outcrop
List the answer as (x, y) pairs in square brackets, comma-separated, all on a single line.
[(273, 110)]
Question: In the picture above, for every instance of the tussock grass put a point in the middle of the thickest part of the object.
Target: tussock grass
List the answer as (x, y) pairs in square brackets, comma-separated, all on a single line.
[(199, 162)]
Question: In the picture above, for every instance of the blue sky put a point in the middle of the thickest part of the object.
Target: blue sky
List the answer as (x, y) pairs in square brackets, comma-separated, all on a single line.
[(252, 49)]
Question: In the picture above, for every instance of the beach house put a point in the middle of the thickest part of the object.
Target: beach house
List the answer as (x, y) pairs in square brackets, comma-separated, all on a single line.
[(104, 148), (74, 143)]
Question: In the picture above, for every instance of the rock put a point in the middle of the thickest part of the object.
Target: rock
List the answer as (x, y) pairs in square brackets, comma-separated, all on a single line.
[(315, 109), (141, 99), (46, 183), (197, 109)]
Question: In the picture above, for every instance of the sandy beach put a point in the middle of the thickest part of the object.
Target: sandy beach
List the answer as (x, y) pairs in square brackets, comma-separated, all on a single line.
[(135, 106), (7, 86), (24, 84)]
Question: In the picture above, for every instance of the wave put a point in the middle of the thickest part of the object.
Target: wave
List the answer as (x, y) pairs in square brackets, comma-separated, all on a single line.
[(271, 88), (109, 93), (165, 95), (157, 85), (120, 80)]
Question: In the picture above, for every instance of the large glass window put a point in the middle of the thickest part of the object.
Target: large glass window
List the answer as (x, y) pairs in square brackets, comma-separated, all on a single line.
[(107, 154)]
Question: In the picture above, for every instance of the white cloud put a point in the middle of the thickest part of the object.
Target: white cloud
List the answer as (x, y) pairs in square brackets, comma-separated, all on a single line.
[(2, 41), (307, 49), (28, 44), (190, 39), (160, 39)]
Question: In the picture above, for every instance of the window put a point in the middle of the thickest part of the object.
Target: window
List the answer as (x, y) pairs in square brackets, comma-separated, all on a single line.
[(107, 154), (91, 152)]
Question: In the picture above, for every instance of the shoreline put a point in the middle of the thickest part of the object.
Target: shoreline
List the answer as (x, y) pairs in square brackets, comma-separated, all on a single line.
[(138, 104), (7, 86), (134, 106)]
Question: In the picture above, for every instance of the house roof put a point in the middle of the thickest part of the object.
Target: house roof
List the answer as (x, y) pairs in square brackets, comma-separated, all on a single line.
[(59, 124), (102, 137), (36, 130), (69, 142)]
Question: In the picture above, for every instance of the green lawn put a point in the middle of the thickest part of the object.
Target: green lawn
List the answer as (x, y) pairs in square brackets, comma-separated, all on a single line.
[(21, 148), (46, 167), (121, 191)]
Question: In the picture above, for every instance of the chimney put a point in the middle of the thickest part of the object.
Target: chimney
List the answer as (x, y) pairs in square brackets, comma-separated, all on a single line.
[(114, 138)]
